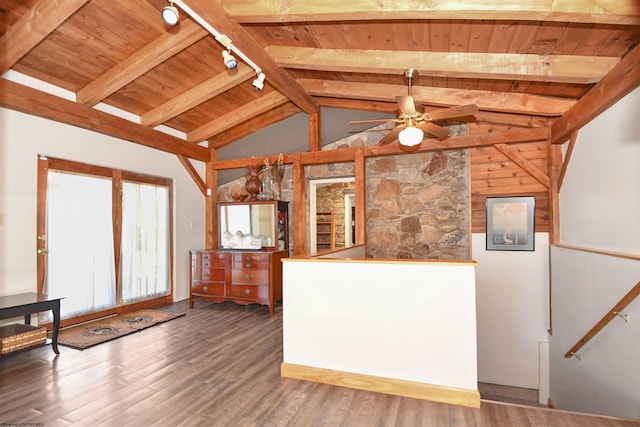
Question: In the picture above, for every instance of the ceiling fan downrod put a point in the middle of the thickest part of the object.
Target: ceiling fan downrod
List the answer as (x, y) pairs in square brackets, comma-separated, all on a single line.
[(410, 74)]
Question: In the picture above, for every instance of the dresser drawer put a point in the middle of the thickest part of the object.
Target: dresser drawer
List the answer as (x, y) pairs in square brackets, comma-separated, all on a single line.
[(208, 259), (207, 288), (250, 277), (250, 292), (254, 261), (209, 274)]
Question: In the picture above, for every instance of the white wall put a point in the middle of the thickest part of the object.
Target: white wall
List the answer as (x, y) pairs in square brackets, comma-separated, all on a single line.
[(599, 209), (23, 137), (600, 196), (606, 380), (412, 321), (513, 316)]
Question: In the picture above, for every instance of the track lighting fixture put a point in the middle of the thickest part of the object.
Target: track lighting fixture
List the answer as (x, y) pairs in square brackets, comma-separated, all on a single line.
[(170, 15), (229, 60), (258, 83)]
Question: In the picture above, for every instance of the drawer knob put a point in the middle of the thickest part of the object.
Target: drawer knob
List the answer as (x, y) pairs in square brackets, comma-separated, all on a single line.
[(247, 291), (247, 276), (205, 275), (247, 265), (205, 288)]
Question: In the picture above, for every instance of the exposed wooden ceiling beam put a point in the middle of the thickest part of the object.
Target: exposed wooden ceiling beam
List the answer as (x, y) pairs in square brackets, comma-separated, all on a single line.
[(237, 116), (618, 12), (358, 104), (193, 173), (525, 164), (503, 66), (485, 100), (624, 78), (510, 136), (33, 27), (196, 95), (253, 125), (31, 101), (522, 120), (156, 52), (215, 15), (341, 155)]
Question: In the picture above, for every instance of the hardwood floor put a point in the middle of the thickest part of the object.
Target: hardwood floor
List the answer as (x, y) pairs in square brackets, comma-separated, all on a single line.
[(218, 366)]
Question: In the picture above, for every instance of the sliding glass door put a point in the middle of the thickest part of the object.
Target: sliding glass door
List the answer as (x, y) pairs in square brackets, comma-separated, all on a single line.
[(145, 241), (104, 238), (81, 262)]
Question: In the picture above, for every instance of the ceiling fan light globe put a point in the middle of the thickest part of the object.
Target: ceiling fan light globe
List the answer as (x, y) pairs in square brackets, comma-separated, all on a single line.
[(170, 15), (410, 136)]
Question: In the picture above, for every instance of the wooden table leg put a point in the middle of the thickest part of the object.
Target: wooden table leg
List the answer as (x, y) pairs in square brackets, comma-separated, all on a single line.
[(56, 326)]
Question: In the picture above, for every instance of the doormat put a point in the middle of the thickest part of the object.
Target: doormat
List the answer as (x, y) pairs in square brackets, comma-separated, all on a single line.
[(103, 330)]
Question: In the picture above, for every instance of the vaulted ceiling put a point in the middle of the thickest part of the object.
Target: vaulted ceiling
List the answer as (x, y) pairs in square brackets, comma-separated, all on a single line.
[(118, 69)]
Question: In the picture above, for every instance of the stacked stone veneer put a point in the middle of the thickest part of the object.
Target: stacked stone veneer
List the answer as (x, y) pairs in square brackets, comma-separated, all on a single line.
[(418, 205)]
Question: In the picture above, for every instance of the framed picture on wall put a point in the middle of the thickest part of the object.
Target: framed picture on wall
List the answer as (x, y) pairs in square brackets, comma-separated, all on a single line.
[(510, 223)]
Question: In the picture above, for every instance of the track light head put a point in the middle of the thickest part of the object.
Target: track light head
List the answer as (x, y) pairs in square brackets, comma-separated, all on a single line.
[(229, 60), (170, 15), (258, 83)]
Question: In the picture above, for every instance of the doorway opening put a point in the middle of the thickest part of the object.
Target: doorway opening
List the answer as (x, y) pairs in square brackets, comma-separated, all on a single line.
[(331, 213)]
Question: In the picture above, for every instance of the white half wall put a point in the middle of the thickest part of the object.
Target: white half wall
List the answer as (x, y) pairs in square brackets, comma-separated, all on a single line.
[(412, 321), (23, 137), (512, 289), (606, 380)]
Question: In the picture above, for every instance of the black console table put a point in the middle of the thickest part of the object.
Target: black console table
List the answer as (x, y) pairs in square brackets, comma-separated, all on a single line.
[(29, 303)]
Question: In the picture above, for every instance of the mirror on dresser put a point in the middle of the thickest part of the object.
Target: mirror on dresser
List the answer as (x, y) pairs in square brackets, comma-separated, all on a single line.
[(266, 220)]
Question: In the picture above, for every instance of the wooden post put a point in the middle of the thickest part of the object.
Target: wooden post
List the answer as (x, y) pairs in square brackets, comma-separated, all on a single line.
[(211, 197), (361, 197), (314, 132), (299, 207)]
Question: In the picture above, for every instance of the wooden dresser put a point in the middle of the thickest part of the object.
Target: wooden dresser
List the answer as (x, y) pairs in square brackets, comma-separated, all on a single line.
[(244, 277)]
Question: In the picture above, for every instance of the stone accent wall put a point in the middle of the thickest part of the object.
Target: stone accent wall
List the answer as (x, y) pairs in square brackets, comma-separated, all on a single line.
[(418, 205)]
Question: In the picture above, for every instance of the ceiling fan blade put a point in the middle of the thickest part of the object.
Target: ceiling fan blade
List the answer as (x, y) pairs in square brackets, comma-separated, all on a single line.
[(435, 130), (391, 136), (406, 104), (361, 122), (449, 113)]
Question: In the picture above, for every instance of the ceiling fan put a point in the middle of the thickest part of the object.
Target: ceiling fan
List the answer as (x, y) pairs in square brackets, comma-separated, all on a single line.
[(411, 124)]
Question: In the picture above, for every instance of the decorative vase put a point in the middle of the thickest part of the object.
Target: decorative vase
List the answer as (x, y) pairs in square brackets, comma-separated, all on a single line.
[(267, 184), (277, 172), (254, 184)]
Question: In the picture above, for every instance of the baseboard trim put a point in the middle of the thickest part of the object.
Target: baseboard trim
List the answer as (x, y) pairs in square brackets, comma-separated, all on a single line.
[(435, 393)]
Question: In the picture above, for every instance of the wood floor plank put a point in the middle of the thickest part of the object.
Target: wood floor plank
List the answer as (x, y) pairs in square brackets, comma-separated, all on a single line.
[(219, 366)]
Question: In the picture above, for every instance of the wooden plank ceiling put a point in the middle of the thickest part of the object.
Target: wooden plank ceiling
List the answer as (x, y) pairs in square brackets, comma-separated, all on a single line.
[(537, 71), (523, 67)]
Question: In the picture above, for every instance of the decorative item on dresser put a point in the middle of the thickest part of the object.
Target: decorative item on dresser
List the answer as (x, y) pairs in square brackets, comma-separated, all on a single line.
[(244, 275)]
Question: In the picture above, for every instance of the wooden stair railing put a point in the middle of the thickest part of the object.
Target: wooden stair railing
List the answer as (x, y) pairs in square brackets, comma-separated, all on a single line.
[(615, 311)]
